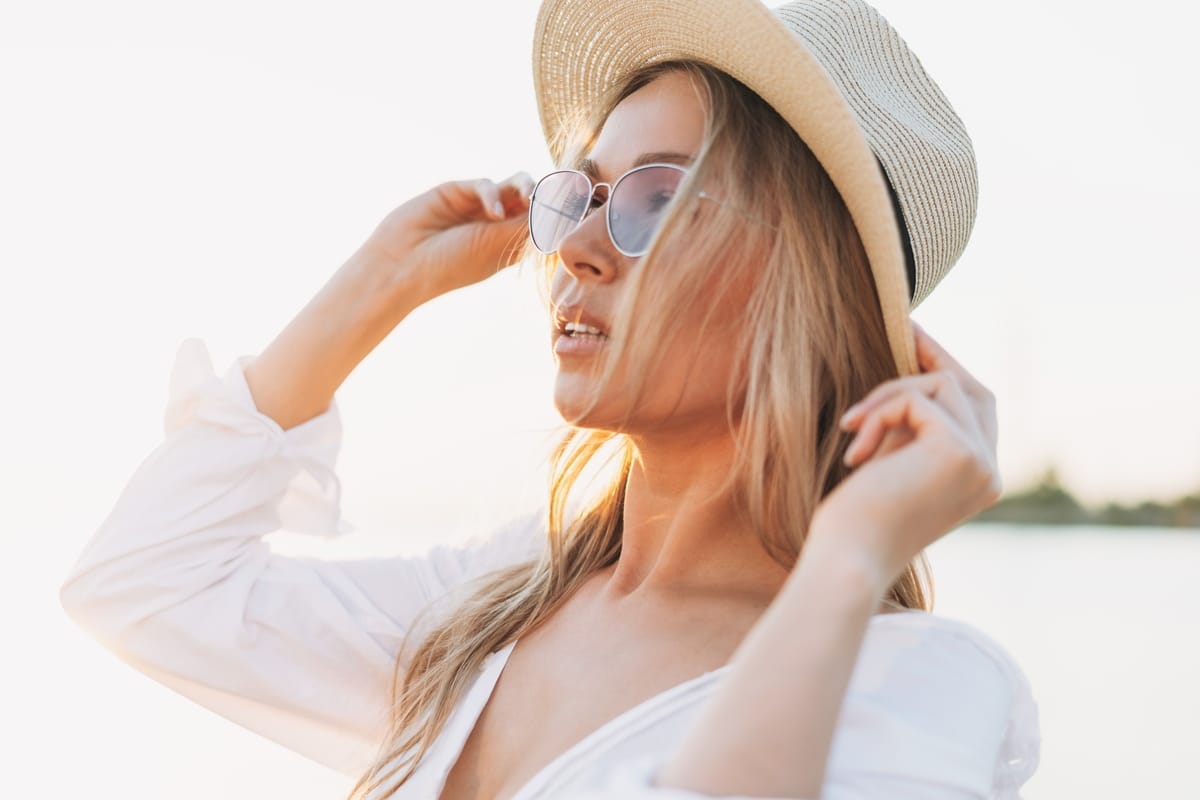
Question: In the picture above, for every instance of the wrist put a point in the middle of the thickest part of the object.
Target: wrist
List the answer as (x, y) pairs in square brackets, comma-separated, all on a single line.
[(833, 545), (380, 288)]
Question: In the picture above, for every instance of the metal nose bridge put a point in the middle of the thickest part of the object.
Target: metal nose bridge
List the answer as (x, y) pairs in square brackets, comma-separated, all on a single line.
[(588, 206)]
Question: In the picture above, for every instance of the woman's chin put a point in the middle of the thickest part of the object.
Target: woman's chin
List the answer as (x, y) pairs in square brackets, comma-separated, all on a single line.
[(572, 408), (573, 396)]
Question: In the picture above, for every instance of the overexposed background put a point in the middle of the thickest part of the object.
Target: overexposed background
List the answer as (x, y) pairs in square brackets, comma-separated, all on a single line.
[(169, 171)]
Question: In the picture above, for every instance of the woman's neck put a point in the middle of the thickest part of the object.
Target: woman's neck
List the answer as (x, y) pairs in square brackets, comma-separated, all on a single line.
[(682, 531)]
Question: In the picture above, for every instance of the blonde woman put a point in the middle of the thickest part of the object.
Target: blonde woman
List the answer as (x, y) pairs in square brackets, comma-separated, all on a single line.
[(748, 205)]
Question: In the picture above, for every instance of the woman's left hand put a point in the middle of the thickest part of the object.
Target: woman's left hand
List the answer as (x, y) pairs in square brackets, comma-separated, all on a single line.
[(925, 458)]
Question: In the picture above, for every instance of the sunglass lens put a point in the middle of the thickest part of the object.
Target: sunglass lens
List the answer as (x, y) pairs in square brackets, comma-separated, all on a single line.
[(558, 203), (638, 203)]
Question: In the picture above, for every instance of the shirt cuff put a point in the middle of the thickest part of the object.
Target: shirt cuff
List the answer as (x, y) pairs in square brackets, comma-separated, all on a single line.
[(311, 502)]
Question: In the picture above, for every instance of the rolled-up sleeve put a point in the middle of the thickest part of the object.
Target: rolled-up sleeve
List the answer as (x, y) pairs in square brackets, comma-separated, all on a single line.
[(935, 710), (179, 582)]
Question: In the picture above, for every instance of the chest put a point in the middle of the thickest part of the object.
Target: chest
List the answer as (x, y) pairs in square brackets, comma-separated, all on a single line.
[(564, 681)]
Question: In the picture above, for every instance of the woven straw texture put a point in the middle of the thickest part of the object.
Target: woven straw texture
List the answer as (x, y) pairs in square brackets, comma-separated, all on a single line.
[(834, 69)]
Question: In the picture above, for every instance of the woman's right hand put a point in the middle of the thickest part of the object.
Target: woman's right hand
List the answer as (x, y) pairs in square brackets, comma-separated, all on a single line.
[(455, 234)]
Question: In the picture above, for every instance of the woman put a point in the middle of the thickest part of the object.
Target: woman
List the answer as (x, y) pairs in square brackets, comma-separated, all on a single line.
[(740, 610)]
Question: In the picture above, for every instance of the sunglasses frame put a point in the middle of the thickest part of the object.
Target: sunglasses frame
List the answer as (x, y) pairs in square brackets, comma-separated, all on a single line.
[(612, 188)]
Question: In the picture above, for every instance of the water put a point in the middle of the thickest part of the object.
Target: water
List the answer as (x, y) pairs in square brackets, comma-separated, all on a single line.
[(1103, 620)]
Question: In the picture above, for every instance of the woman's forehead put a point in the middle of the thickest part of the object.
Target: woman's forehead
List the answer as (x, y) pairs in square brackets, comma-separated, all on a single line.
[(666, 116)]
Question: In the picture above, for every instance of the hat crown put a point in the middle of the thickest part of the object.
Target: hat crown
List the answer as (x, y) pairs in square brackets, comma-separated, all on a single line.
[(919, 139), (839, 74)]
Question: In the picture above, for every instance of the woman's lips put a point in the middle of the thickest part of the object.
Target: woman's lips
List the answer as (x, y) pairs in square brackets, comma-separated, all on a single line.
[(579, 344)]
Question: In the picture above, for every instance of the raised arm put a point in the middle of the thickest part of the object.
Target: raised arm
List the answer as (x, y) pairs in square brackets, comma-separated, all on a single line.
[(178, 581), (453, 235)]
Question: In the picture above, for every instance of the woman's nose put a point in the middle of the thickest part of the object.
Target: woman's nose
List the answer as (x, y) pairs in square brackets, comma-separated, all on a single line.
[(586, 252)]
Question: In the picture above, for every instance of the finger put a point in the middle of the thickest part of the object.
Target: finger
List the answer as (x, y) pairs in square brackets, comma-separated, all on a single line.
[(520, 180), (514, 193), (489, 197), (893, 439), (468, 199), (909, 409), (931, 356), (941, 387)]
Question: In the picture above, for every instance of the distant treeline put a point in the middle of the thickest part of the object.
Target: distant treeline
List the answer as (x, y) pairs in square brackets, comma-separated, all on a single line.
[(1048, 503)]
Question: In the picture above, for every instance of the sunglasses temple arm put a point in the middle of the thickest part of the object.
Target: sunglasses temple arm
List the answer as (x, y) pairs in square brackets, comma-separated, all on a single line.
[(558, 211)]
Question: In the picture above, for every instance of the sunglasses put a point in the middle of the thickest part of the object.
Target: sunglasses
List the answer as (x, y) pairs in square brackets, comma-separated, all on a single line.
[(635, 206)]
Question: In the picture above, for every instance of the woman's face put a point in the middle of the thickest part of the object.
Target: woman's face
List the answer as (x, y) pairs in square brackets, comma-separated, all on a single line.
[(663, 121)]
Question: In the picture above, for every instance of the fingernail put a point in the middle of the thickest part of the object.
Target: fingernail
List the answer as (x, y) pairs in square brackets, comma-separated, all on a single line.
[(850, 412), (498, 208)]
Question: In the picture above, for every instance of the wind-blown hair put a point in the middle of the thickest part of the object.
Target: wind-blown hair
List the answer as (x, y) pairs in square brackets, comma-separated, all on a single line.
[(811, 343)]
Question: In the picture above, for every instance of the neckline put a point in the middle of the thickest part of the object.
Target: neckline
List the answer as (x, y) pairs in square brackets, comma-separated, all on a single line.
[(660, 702), (532, 788)]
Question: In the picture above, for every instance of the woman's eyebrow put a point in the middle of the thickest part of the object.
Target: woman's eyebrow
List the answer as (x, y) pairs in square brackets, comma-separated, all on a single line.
[(592, 170)]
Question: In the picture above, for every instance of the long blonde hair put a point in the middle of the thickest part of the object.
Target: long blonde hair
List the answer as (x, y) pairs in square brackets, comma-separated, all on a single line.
[(812, 343)]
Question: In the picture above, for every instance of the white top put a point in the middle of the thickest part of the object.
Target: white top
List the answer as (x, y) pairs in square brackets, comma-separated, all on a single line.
[(179, 582)]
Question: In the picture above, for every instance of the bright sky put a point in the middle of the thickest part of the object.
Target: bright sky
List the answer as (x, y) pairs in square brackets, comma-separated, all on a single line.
[(174, 171)]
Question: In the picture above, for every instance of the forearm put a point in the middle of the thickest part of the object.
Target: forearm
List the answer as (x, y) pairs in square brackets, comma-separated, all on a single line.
[(768, 730), (296, 376)]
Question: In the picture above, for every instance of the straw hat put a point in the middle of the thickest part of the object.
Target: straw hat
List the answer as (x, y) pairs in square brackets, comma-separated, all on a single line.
[(834, 69)]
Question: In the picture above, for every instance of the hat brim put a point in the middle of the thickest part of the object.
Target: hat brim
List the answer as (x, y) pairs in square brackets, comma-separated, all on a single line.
[(581, 48)]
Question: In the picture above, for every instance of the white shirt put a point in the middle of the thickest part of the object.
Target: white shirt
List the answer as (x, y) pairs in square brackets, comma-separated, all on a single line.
[(179, 582)]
